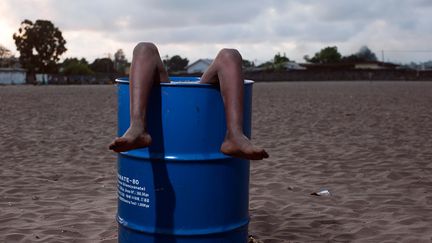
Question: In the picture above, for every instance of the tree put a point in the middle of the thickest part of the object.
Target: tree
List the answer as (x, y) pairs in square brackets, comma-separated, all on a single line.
[(120, 62), (175, 63), (278, 58), (247, 64), (6, 57), (363, 55), (4, 52), (73, 66), (103, 65), (279, 61), (40, 45), (329, 54), (366, 54)]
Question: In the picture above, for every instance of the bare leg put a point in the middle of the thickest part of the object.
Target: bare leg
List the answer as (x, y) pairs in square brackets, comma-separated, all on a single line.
[(147, 68), (226, 70)]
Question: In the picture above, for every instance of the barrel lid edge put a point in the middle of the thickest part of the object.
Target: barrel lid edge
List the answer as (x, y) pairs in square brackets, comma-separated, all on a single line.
[(177, 157), (193, 82)]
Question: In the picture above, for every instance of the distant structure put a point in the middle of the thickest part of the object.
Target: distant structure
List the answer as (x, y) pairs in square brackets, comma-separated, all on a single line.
[(199, 66), (427, 65), (375, 65), (371, 65), (293, 66), (12, 76), (10, 62)]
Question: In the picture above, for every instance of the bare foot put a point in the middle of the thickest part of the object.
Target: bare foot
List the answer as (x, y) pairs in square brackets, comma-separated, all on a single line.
[(132, 139), (239, 146)]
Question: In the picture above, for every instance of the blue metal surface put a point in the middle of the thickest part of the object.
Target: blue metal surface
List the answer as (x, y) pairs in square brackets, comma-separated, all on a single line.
[(182, 189)]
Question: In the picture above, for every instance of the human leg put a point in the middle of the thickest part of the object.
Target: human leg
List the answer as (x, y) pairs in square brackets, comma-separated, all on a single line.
[(226, 70), (146, 69)]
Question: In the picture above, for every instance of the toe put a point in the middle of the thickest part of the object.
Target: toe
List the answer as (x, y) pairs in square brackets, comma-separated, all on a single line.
[(265, 154), (118, 144), (258, 154), (112, 144)]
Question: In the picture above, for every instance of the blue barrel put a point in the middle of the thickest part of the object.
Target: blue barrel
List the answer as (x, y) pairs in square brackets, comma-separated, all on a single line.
[(182, 189)]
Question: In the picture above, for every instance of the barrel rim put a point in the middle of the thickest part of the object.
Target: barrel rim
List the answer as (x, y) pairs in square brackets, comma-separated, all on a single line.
[(180, 81)]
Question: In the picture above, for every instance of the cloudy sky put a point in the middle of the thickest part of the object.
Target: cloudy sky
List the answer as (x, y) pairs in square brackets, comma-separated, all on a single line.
[(258, 28)]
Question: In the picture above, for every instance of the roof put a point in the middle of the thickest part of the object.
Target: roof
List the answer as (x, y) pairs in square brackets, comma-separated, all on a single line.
[(13, 70), (205, 60)]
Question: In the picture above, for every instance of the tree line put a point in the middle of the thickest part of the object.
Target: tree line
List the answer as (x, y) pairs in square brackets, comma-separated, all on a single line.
[(41, 44)]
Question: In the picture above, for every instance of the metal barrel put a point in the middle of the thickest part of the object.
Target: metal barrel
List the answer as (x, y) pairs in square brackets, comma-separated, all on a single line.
[(182, 189)]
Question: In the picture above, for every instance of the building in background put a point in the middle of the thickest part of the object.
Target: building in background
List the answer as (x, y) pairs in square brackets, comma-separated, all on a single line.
[(199, 66), (12, 76), (375, 65), (293, 66), (364, 65)]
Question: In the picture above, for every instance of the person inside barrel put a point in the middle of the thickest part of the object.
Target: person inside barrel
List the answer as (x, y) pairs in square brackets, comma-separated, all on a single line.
[(226, 70)]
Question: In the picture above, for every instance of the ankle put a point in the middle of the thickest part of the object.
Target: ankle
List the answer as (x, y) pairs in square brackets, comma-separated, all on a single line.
[(138, 127), (234, 133)]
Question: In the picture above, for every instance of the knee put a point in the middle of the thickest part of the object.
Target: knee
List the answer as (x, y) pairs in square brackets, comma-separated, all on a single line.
[(229, 55), (145, 48)]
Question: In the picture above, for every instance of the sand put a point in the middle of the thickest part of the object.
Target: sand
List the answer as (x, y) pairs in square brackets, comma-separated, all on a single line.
[(369, 144)]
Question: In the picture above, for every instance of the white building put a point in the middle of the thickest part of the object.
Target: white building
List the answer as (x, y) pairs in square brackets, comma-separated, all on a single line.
[(293, 66), (12, 76), (375, 65), (199, 66)]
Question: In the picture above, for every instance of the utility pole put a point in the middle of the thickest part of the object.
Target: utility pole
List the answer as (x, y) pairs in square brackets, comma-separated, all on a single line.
[(382, 55)]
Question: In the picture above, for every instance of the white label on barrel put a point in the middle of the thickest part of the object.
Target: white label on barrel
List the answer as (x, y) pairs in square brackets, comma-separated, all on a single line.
[(131, 192)]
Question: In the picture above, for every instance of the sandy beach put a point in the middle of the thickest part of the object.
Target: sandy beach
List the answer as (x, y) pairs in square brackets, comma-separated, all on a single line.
[(368, 143)]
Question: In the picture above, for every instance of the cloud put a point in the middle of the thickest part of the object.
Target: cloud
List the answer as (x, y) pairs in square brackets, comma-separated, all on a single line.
[(197, 29)]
